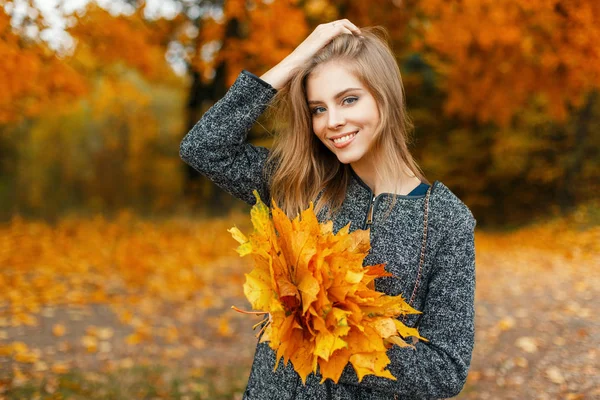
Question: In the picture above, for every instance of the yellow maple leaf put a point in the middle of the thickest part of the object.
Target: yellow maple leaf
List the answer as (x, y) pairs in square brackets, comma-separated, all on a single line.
[(319, 302), (372, 363)]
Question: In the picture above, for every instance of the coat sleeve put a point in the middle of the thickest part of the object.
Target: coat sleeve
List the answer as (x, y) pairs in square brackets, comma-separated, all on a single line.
[(438, 368), (216, 146)]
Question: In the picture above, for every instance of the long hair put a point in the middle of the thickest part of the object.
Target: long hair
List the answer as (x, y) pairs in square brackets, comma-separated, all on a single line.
[(303, 167)]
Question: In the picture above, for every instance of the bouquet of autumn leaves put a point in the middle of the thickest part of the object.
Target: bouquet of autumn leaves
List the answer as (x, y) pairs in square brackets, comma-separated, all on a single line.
[(319, 302)]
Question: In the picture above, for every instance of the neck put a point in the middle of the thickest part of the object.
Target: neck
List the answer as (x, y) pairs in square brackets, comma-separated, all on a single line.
[(401, 185)]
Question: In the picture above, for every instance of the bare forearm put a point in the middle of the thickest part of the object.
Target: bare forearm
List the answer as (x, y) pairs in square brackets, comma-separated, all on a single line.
[(281, 73)]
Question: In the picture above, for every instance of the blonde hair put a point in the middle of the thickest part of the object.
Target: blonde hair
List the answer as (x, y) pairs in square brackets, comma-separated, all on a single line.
[(303, 166)]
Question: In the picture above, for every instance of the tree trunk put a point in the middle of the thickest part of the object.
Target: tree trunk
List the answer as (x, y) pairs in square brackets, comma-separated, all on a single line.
[(567, 198), (201, 97)]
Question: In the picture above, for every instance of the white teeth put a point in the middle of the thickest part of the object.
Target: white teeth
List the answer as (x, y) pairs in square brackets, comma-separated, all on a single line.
[(344, 138)]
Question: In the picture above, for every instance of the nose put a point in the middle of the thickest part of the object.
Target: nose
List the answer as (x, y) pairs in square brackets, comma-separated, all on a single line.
[(335, 119)]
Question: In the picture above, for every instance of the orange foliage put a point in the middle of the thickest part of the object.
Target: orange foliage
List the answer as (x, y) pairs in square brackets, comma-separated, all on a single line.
[(320, 302), (104, 39), (262, 39), (32, 77), (396, 16), (494, 55)]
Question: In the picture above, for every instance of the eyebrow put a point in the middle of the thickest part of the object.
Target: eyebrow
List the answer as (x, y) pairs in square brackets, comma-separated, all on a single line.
[(340, 94)]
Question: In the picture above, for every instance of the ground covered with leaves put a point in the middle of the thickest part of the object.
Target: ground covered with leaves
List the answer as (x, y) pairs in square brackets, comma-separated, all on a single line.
[(130, 308)]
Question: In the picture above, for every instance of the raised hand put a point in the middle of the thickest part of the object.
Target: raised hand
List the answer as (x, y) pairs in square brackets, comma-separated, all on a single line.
[(321, 36)]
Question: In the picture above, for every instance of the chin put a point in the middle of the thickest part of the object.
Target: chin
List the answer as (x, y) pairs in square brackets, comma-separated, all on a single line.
[(346, 160)]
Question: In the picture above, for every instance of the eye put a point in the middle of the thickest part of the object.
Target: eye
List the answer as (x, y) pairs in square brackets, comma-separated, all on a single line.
[(318, 110), (350, 100)]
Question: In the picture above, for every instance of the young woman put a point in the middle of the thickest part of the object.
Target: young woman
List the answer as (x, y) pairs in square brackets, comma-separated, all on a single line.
[(343, 145)]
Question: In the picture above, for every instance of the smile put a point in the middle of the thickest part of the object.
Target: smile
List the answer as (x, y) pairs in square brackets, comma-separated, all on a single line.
[(339, 142)]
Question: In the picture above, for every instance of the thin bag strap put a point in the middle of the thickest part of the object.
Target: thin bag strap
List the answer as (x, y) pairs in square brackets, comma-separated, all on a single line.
[(423, 247)]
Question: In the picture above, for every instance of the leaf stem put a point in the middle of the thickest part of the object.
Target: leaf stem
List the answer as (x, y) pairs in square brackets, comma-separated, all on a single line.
[(249, 312)]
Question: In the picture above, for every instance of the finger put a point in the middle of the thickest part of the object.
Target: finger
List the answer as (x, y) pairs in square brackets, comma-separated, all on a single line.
[(344, 23), (346, 30), (351, 26)]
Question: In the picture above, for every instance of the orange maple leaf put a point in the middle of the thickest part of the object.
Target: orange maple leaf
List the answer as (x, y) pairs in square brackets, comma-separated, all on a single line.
[(319, 301)]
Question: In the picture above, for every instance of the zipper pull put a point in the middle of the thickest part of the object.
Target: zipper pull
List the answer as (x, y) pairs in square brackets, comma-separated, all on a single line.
[(370, 214)]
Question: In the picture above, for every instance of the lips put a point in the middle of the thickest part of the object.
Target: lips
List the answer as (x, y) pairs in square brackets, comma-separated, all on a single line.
[(345, 142), (342, 135)]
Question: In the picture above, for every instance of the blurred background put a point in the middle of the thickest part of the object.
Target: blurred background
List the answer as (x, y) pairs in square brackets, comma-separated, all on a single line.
[(116, 268)]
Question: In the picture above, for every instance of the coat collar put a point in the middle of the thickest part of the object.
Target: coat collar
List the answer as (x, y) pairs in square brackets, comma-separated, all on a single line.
[(363, 187)]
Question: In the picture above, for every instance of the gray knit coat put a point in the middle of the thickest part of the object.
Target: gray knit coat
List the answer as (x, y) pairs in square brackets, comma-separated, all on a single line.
[(217, 147)]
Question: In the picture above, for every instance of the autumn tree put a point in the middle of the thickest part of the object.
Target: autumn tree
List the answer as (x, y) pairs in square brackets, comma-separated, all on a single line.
[(213, 41), (108, 148), (233, 37), (501, 61), (503, 94), (32, 76), (543, 49)]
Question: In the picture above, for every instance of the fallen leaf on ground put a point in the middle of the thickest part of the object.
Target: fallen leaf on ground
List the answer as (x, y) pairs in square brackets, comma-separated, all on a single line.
[(527, 344), (554, 374)]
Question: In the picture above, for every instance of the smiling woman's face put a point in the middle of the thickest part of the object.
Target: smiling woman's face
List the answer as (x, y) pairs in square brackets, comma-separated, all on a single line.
[(344, 114)]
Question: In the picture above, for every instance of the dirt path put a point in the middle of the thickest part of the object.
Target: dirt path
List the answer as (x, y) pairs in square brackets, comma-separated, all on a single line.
[(537, 331)]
